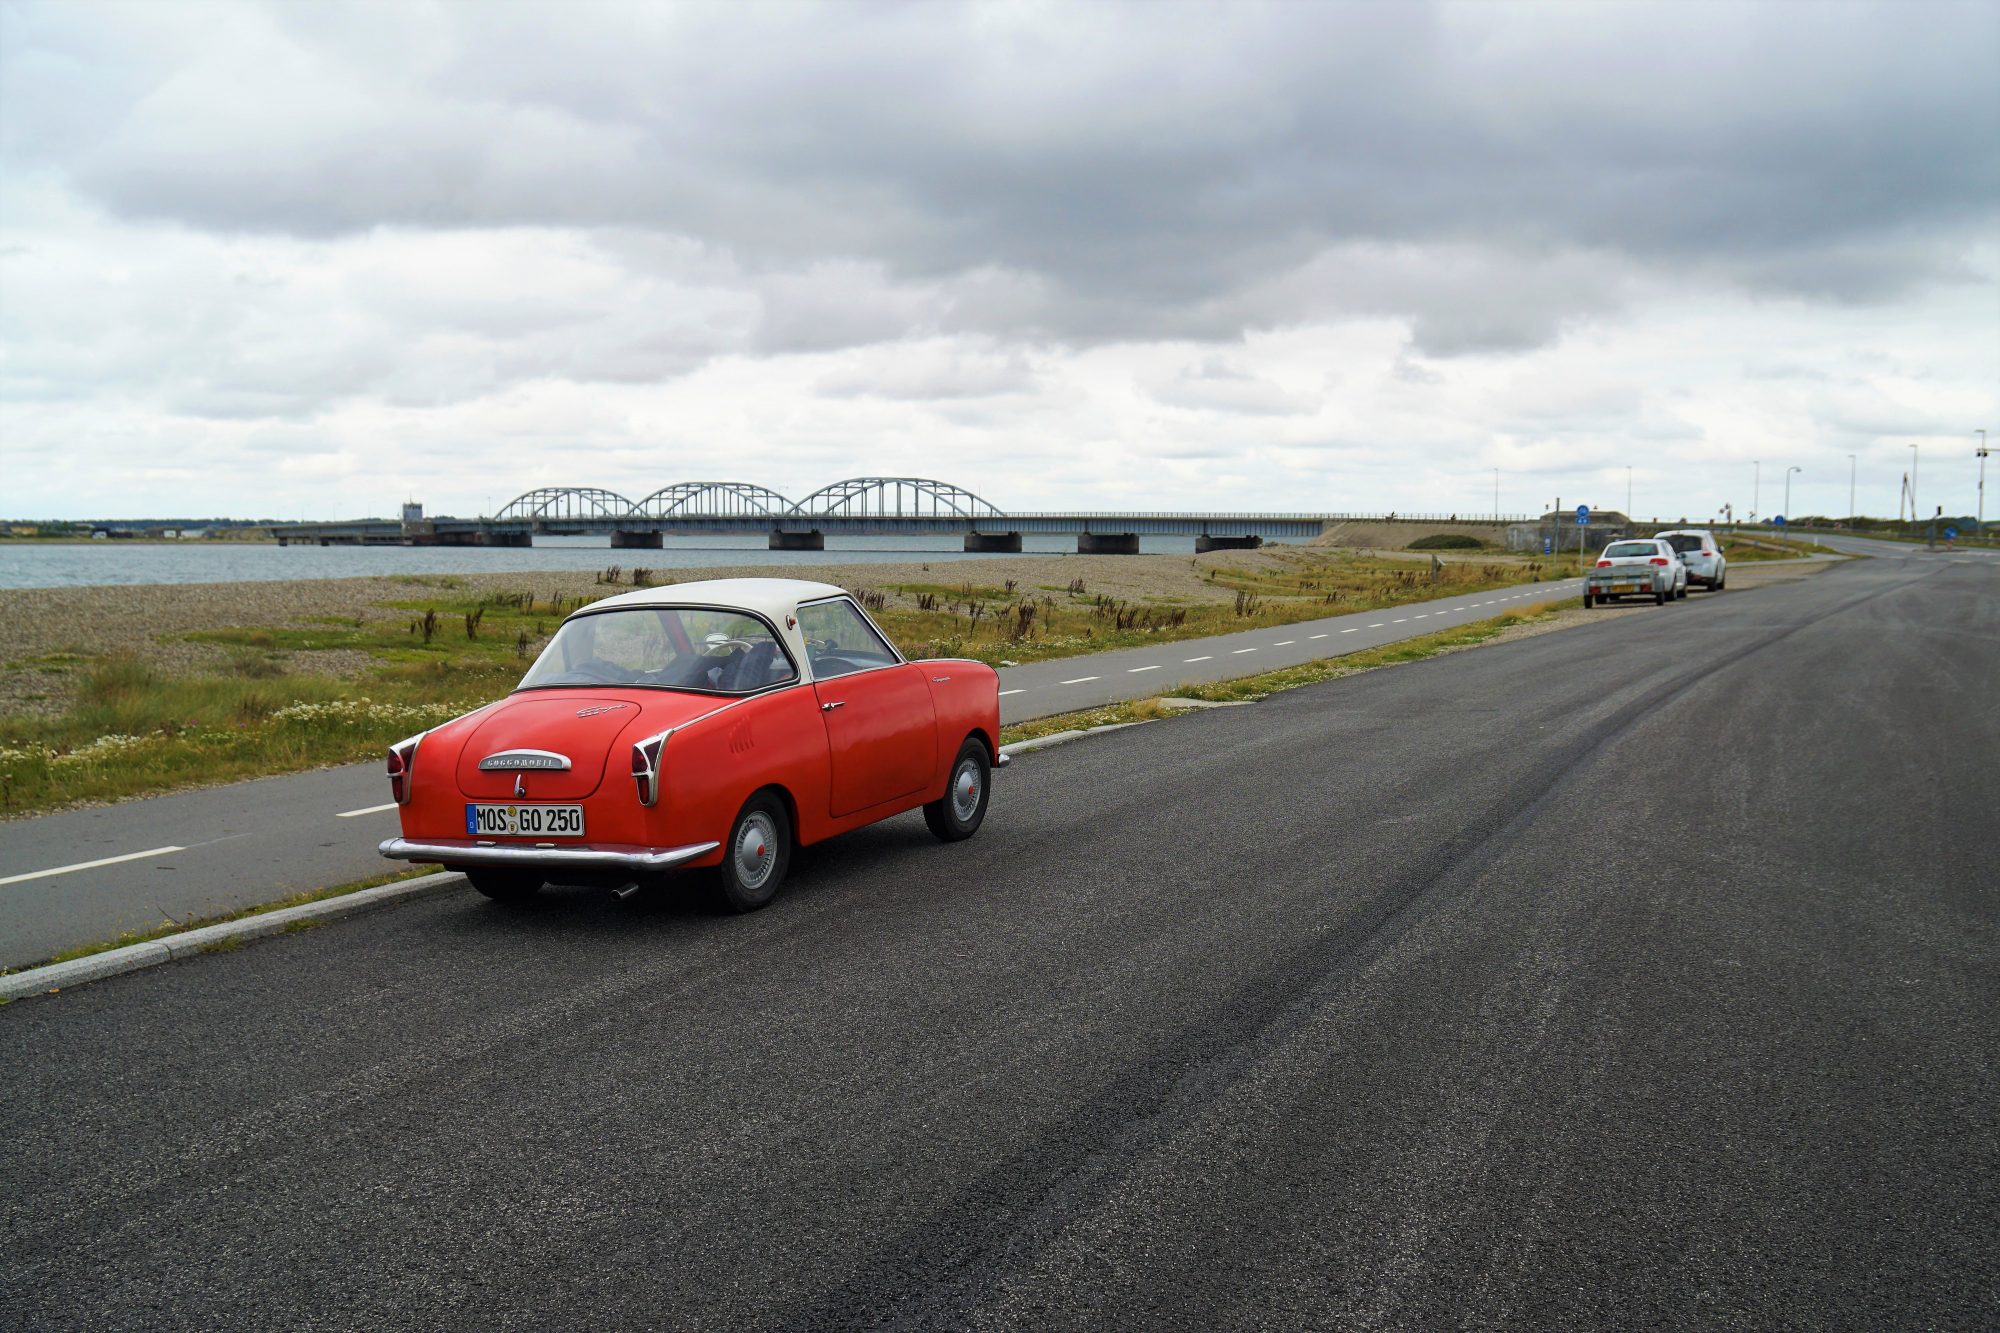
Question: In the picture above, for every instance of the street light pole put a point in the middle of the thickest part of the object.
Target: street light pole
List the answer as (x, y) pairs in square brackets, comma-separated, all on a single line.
[(1980, 526), (1788, 491), (1850, 491), (1914, 456), (1628, 493), (1496, 495)]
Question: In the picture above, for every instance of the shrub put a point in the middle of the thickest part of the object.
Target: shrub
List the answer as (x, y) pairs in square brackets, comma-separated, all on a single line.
[(1446, 541)]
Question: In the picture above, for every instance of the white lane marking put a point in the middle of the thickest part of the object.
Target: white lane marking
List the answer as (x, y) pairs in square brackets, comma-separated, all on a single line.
[(1005, 693), (1322, 636), (368, 810), (1347, 631), (1376, 625), (91, 865), (1404, 621), (1240, 651), (1284, 643), (1080, 680), (1425, 616), (1133, 671), (1209, 658)]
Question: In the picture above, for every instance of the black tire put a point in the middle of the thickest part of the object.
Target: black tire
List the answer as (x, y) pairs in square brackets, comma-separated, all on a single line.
[(1659, 598), (958, 813), (1588, 601), (503, 885), (757, 855)]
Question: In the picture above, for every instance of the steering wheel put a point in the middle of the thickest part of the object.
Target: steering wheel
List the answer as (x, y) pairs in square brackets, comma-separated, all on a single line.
[(597, 671)]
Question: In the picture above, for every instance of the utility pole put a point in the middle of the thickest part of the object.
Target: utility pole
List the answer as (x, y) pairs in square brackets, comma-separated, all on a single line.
[(1756, 485), (1628, 492), (1788, 491), (1496, 495), (1850, 491), (1914, 456)]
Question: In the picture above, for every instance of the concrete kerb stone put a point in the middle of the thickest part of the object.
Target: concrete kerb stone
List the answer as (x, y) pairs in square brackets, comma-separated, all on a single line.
[(151, 953)]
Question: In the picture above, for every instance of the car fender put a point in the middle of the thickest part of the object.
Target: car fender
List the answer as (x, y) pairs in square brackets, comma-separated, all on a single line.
[(965, 695)]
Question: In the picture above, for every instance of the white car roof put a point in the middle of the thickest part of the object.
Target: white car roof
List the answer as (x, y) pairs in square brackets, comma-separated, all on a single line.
[(774, 599)]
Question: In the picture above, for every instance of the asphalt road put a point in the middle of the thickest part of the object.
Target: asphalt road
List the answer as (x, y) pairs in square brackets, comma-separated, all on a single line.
[(1638, 976), (86, 875)]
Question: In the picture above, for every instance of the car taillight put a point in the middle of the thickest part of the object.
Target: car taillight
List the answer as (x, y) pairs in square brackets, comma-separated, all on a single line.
[(646, 768), (1603, 564), (402, 759), (1658, 560)]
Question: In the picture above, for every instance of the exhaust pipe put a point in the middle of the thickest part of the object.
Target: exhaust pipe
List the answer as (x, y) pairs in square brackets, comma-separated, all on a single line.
[(626, 890)]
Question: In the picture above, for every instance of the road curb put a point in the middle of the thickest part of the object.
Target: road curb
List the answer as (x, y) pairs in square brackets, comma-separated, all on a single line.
[(151, 953)]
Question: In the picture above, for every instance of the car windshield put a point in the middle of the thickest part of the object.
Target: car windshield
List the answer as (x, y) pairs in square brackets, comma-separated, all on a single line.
[(1627, 550), (664, 647), (1683, 542)]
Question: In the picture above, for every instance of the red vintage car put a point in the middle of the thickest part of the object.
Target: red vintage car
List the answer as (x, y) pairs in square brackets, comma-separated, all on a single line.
[(716, 724)]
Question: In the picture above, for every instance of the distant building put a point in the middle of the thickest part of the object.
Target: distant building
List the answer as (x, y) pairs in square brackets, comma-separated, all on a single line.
[(413, 512)]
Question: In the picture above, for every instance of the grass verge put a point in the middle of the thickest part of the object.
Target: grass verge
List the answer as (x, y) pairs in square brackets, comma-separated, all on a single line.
[(1246, 689), (172, 927)]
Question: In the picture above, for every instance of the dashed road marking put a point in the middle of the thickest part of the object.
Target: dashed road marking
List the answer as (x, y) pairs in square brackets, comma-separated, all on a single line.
[(1133, 671), (1080, 680), (1322, 636), (1376, 625), (365, 810), (91, 865), (1240, 651), (1209, 658), (1005, 693), (1284, 643), (1349, 631)]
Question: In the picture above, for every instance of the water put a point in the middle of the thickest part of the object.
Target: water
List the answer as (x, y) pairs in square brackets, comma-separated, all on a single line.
[(85, 564)]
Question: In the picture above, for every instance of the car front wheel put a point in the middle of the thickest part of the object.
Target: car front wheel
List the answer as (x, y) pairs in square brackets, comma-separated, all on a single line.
[(757, 855), (958, 813)]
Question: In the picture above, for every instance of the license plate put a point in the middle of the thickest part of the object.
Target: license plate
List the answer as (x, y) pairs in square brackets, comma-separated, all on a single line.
[(524, 821), (1624, 587)]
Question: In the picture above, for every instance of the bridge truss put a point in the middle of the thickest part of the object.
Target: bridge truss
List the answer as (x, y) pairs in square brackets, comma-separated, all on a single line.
[(712, 499), (894, 497), (567, 502)]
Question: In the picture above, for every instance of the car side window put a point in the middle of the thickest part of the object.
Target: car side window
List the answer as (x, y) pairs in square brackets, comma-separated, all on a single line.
[(840, 641)]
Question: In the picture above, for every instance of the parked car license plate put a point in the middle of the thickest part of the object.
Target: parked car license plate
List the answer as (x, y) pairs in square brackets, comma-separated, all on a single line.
[(524, 821)]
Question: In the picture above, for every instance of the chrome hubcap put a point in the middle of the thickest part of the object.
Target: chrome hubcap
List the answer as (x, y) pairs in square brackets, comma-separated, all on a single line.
[(756, 850), (965, 790)]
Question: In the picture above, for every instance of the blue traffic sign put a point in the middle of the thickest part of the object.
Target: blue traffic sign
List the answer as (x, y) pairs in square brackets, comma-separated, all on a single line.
[(1950, 534), (1583, 513), (1778, 522)]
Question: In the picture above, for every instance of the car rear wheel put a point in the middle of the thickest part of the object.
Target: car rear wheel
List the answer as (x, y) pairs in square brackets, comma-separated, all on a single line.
[(1659, 598), (958, 813), (504, 886), (1588, 601), (757, 855)]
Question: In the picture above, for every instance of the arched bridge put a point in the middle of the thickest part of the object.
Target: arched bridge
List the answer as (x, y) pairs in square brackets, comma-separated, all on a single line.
[(855, 506)]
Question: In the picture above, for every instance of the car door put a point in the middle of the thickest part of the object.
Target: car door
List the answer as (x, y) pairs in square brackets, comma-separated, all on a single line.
[(881, 729)]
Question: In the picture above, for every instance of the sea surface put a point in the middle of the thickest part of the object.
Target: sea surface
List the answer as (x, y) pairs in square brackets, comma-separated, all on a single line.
[(88, 564)]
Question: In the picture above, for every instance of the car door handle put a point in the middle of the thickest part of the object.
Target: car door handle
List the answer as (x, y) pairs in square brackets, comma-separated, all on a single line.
[(828, 708)]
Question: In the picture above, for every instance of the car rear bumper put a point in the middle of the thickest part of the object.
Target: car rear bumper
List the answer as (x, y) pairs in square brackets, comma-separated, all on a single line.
[(467, 852)]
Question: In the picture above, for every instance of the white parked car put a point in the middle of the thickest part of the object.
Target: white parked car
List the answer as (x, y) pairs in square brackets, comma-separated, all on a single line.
[(1636, 567), (1701, 553)]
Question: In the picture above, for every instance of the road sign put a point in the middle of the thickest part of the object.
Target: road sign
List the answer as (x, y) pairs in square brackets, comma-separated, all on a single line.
[(1778, 522), (1583, 513), (1950, 534)]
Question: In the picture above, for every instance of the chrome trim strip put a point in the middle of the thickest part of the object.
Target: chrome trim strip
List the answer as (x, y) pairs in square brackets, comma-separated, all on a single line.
[(503, 761), (454, 851)]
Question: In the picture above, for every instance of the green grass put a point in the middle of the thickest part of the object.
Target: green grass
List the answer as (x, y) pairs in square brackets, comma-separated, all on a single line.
[(131, 731), (172, 927)]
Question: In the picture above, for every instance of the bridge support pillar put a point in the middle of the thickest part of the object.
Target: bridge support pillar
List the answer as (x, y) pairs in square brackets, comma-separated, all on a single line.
[(993, 541), (505, 539), (798, 541), (1107, 543), (1206, 543), (636, 541)]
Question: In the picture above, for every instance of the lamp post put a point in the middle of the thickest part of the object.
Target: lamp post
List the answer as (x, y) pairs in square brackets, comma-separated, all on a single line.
[(1980, 526), (1914, 456), (1788, 491), (1496, 495), (1850, 491), (1628, 493), (1756, 485)]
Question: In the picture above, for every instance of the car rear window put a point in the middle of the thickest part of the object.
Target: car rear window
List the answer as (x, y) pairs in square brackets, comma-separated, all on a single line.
[(1631, 549), (1686, 542)]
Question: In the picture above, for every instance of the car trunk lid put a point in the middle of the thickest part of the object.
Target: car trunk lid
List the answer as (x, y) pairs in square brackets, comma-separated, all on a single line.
[(555, 745)]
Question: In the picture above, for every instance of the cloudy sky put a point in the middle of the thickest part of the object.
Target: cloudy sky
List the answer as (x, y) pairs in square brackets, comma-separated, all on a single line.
[(308, 260)]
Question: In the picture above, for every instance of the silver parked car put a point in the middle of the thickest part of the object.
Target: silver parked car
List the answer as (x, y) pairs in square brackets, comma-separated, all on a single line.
[(1701, 553), (1636, 567)]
